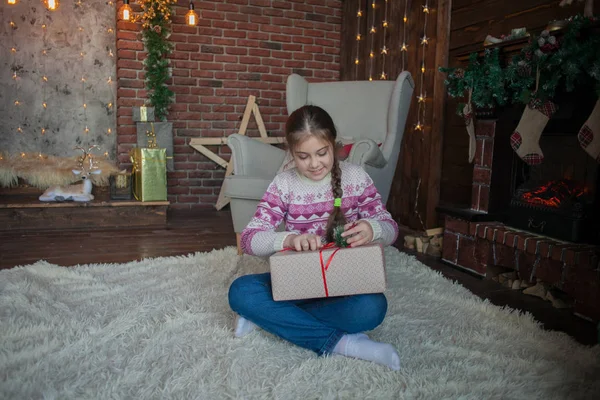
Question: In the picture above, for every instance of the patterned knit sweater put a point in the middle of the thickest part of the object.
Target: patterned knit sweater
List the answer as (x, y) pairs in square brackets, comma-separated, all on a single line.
[(305, 205)]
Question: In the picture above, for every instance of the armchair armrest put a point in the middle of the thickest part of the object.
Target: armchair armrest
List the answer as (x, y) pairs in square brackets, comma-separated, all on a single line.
[(254, 158), (367, 152)]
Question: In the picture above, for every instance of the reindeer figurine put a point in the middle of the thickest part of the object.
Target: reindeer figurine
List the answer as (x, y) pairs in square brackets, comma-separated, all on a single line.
[(80, 192)]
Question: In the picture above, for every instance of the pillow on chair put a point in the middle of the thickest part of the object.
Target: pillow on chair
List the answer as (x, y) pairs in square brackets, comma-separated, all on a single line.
[(345, 149)]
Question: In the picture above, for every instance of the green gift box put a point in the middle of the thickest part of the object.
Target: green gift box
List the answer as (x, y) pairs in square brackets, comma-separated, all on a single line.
[(149, 174)]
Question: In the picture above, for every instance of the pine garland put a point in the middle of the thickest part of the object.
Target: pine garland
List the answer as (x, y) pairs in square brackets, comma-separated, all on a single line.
[(545, 66), (156, 20), (338, 239)]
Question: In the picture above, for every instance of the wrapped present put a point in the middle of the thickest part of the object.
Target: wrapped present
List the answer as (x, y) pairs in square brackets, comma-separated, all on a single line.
[(149, 174), (143, 114), (329, 272)]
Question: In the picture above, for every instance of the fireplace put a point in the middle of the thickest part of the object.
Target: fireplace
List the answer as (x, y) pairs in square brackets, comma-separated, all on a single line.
[(557, 198), (539, 222)]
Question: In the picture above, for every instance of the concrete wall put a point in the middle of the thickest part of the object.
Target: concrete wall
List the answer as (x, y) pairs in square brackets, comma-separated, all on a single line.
[(64, 118)]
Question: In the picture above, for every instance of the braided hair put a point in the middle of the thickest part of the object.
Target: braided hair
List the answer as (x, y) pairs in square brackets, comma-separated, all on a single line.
[(310, 121)]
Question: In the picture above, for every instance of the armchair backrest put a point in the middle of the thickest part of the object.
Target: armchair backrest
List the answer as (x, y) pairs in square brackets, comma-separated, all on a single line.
[(359, 109), (375, 110)]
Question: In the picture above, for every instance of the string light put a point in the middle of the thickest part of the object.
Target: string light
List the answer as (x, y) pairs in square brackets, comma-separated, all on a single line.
[(191, 18), (15, 68), (359, 15), (384, 49), (422, 93), (372, 32), (86, 130), (110, 82), (404, 46), (125, 12), (51, 5), (44, 116)]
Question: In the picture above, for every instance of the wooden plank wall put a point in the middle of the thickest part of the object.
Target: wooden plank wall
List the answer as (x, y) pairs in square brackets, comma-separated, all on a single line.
[(420, 159), (471, 22)]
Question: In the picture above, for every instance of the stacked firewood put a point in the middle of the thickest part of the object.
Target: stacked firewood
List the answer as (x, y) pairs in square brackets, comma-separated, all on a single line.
[(429, 242), (512, 280)]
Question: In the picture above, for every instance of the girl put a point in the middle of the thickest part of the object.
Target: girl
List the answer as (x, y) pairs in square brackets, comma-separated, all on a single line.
[(312, 198)]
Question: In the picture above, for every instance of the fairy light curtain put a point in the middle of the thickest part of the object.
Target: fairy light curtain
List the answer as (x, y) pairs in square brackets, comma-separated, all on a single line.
[(57, 76), (392, 36)]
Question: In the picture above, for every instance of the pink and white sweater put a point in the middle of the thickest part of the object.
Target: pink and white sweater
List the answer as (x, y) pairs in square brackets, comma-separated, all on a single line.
[(305, 206)]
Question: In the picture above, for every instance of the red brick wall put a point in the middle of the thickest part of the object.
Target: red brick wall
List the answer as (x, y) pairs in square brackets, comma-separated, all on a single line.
[(239, 48)]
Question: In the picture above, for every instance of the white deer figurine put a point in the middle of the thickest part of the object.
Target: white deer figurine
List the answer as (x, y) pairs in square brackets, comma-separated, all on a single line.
[(80, 192)]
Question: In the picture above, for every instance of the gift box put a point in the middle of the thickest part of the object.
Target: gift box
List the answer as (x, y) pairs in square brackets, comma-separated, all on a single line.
[(328, 272), (143, 114), (157, 135), (120, 186), (149, 174)]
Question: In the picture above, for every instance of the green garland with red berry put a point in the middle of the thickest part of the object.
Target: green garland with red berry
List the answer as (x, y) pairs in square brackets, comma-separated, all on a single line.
[(545, 65)]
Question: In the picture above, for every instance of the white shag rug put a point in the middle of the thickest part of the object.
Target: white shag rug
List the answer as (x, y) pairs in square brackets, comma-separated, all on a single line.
[(162, 329)]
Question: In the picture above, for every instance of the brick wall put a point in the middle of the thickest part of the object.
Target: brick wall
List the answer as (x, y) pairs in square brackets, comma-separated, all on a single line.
[(239, 48)]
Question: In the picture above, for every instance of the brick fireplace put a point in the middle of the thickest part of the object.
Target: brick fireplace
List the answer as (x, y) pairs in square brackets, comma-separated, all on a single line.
[(490, 233)]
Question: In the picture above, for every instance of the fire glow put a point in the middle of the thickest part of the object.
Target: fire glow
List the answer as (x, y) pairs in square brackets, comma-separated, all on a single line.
[(554, 193)]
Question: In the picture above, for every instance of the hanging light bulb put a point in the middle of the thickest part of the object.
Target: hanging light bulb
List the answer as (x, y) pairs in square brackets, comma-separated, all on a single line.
[(12, 2), (51, 5), (191, 18), (125, 12)]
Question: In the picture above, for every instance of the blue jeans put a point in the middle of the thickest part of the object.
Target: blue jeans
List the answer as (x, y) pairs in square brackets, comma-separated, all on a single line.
[(315, 324)]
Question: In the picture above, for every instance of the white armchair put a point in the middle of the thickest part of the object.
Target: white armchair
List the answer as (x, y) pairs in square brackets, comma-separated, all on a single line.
[(370, 114)]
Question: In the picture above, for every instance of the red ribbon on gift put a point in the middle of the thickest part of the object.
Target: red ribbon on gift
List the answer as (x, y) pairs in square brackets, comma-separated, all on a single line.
[(324, 265)]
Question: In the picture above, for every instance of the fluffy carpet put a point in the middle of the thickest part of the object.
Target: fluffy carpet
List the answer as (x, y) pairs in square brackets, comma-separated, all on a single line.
[(162, 328)]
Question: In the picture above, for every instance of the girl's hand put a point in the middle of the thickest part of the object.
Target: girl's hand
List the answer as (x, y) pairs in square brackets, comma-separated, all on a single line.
[(358, 233), (305, 242)]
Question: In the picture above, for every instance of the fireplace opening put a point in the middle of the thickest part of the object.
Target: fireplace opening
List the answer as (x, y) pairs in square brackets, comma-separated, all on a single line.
[(558, 198)]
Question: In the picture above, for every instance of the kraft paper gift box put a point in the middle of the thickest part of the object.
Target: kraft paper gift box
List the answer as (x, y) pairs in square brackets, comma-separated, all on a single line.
[(352, 270), (149, 174)]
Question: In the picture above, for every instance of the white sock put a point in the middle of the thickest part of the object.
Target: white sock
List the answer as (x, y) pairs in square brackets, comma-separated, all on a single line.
[(243, 326), (359, 345)]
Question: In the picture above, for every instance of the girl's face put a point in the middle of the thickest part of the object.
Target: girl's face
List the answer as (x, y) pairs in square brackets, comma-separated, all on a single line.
[(314, 158)]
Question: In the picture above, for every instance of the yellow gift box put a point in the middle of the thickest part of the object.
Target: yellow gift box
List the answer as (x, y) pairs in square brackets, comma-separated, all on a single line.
[(149, 174)]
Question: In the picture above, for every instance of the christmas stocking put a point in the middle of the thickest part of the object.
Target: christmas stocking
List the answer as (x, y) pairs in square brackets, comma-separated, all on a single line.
[(468, 116), (589, 135), (525, 139)]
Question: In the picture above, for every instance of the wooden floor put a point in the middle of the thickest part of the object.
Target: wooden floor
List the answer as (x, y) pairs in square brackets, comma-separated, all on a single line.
[(203, 231)]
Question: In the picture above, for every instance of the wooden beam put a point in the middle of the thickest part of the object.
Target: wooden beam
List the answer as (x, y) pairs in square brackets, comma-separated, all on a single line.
[(444, 12)]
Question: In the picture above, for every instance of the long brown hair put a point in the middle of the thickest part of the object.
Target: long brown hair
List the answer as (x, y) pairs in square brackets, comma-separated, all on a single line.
[(310, 121)]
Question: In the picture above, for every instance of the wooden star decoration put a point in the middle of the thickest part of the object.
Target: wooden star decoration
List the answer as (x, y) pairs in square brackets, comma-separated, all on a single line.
[(201, 143)]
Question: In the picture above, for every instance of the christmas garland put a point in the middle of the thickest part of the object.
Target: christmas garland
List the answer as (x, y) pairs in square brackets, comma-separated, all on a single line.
[(156, 18), (546, 65)]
